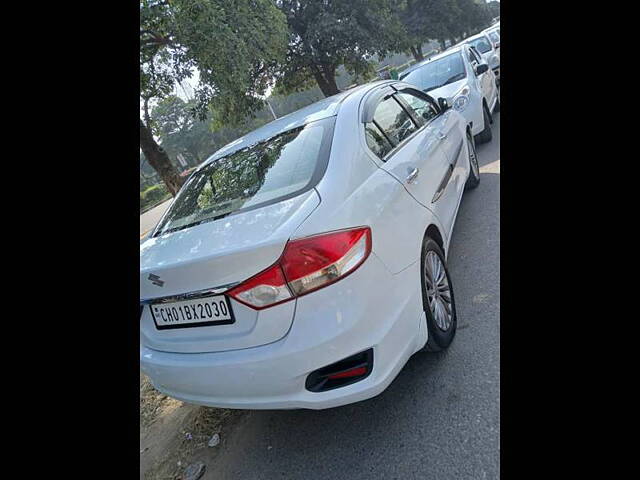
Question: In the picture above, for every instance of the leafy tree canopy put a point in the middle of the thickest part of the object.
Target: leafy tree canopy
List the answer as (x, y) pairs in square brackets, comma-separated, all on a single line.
[(236, 47), (324, 34), (179, 132), (438, 19)]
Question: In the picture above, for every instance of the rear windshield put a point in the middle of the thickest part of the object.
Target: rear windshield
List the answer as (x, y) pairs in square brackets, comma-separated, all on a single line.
[(482, 44), (273, 170)]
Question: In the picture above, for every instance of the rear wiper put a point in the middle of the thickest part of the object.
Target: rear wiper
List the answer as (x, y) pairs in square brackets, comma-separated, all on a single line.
[(193, 224)]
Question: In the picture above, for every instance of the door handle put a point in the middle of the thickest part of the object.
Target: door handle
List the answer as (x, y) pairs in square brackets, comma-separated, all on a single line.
[(413, 174)]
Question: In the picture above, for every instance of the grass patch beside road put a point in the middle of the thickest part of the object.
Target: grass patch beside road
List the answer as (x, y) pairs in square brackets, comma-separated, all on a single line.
[(153, 196)]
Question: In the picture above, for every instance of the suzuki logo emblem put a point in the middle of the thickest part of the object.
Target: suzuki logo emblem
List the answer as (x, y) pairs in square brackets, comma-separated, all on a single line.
[(155, 279)]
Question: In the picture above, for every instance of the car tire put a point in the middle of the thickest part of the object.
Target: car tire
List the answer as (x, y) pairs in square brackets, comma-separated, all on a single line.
[(485, 135), (441, 324), (474, 168)]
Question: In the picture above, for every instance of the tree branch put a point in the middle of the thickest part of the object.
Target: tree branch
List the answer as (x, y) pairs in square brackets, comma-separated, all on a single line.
[(156, 39), (147, 117)]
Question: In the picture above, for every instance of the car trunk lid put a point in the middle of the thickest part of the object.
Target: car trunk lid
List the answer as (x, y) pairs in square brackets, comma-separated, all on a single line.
[(217, 254)]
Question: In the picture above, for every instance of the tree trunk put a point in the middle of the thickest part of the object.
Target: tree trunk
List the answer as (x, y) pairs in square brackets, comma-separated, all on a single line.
[(417, 53), (159, 160), (326, 79)]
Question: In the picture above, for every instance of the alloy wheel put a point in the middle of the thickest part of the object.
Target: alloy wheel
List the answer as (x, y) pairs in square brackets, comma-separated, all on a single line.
[(438, 291)]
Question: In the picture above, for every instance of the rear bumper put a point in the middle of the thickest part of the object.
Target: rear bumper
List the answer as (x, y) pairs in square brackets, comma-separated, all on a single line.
[(370, 308)]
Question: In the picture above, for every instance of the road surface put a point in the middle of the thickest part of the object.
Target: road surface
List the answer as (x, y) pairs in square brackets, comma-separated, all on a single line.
[(149, 219), (439, 419)]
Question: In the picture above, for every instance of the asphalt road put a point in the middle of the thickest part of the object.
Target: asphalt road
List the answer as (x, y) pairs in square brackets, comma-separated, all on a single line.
[(149, 219), (439, 419)]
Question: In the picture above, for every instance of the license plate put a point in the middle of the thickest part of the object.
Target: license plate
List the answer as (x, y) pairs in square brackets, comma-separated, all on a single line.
[(199, 312)]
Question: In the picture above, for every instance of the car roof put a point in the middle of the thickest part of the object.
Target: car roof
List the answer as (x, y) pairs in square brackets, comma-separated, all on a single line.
[(422, 63), (473, 37), (327, 107)]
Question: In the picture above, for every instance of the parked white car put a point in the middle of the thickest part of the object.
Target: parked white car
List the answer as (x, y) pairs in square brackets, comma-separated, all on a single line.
[(303, 264), (494, 28), (494, 35), (461, 76), (489, 50)]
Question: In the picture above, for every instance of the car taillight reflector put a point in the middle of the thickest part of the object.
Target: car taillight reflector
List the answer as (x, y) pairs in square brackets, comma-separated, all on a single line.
[(264, 290), (306, 264), (354, 372), (314, 262)]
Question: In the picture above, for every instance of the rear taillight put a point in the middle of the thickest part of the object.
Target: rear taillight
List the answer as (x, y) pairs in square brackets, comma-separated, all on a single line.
[(306, 264), (264, 290)]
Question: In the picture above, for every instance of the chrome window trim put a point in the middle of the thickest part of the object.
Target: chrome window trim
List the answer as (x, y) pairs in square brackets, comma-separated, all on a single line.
[(208, 292), (402, 144), (370, 106)]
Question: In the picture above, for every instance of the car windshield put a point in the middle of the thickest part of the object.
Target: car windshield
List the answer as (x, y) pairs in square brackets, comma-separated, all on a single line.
[(481, 43), (281, 167), (438, 73)]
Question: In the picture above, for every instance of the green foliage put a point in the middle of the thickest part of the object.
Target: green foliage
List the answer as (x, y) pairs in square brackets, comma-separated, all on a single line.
[(439, 19), (225, 185), (473, 17), (179, 132), (426, 19), (236, 47), (153, 196), (494, 9), (326, 34)]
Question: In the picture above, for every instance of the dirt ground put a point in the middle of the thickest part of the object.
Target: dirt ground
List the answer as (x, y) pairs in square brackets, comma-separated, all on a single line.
[(173, 434)]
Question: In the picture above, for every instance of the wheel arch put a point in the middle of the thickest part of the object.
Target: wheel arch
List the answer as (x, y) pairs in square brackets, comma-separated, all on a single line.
[(485, 104), (433, 232)]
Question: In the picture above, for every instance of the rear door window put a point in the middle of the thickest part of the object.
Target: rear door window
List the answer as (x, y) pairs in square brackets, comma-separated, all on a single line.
[(376, 140), (424, 110), (394, 121)]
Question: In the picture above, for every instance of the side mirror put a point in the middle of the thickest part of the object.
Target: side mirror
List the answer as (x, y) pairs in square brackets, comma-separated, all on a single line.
[(444, 104), (480, 69)]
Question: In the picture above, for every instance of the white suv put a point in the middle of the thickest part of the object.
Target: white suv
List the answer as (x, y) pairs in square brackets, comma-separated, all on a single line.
[(460, 76)]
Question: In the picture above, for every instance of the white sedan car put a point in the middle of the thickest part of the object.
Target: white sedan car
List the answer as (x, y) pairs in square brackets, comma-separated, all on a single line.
[(303, 264), (460, 75)]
